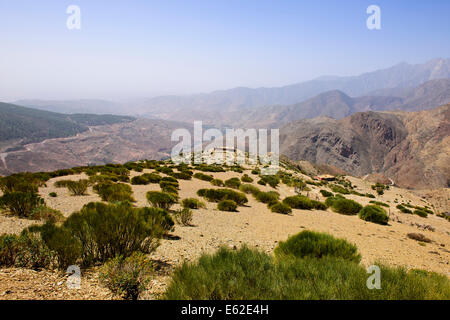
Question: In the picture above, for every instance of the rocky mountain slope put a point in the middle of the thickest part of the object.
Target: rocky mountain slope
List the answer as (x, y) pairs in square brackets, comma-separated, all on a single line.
[(411, 148), (337, 104)]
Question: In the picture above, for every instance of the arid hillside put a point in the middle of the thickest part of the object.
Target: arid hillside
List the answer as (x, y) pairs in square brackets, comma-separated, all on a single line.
[(253, 224), (411, 148), (115, 143)]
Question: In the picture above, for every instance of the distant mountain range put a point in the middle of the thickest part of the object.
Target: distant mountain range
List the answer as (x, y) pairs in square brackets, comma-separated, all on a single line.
[(224, 107), (336, 104)]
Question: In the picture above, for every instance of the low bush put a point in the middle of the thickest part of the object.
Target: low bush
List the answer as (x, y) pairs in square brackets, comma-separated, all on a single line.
[(268, 197), (420, 213), (343, 206), (164, 183), (317, 245), (326, 193), (168, 188), (374, 214), (379, 203), (339, 189), (403, 209), (114, 192), (126, 277), (272, 181), (204, 177), (233, 183), (249, 189), (183, 216), (182, 175), (62, 183), (217, 195), (46, 214), (247, 274), (281, 208), (20, 203), (302, 202), (246, 178), (418, 237), (192, 203), (139, 180), (78, 188), (100, 232), (26, 250), (227, 205), (161, 199), (217, 182), (53, 194)]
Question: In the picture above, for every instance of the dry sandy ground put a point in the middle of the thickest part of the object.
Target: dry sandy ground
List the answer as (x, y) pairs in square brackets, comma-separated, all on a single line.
[(255, 226)]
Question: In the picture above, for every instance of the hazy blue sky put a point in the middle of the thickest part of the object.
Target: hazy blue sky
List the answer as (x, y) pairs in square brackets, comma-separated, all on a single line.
[(144, 48)]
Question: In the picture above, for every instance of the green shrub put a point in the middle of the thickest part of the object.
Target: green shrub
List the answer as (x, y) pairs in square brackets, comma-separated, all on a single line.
[(326, 193), (302, 202), (246, 178), (152, 177), (403, 209), (114, 192), (374, 214), (379, 203), (161, 199), (139, 180), (268, 197), (217, 195), (182, 175), (100, 232), (20, 203), (272, 181), (317, 245), (53, 194), (217, 182), (343, 206), (227, 205), (248, 274), (184, 216), (164, 184), (26, 250), (339, 189), (62, 183), (171, 190), (420, 213), (78, 188), (249, 189), (22, 182), (261, 182), (281, 208), (126, 277), (233, 183), (192, 203), (47, 214), (202, 176)]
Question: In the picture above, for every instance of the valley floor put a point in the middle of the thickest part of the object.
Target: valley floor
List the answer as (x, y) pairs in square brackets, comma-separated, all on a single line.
[(253, 225)]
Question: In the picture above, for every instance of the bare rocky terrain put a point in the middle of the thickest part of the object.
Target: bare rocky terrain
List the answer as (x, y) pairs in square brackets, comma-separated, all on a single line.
[(411, 148), (116, 143)]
